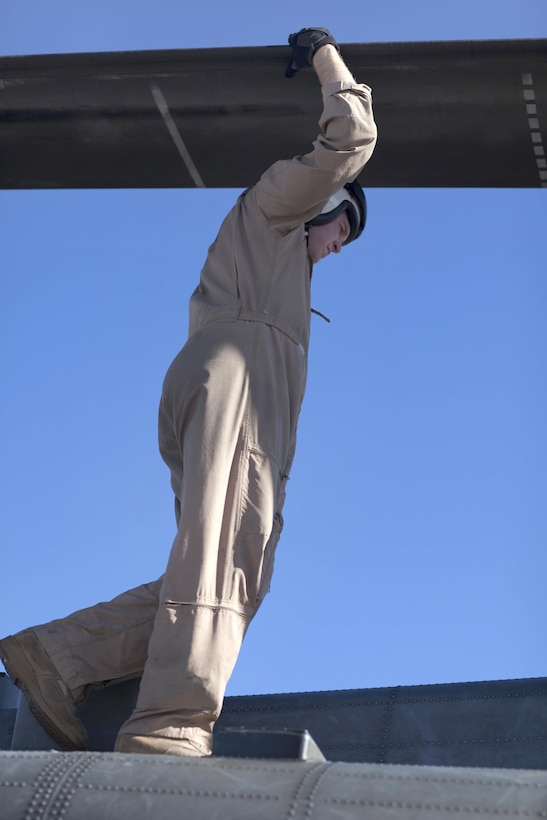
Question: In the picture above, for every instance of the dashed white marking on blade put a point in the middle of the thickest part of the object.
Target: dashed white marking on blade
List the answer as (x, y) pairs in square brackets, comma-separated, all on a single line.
[(536, 136)]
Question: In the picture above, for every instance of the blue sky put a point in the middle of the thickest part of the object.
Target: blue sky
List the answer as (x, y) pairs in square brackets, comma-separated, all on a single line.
[(414, 549)]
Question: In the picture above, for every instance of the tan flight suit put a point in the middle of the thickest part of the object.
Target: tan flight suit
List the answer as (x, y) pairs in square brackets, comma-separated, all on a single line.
[(227, 426)]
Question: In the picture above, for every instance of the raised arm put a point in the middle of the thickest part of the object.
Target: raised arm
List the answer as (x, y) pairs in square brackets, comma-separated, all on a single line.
[(330, 67), (294, 191)]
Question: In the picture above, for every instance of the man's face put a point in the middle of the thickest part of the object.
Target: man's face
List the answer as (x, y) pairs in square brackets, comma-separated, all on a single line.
[(329, 238)]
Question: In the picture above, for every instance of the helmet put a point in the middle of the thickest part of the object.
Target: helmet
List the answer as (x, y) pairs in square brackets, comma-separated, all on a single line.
[(350, 198)]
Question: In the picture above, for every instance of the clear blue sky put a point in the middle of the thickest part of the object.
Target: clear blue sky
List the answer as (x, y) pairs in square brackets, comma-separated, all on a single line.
[(415, 542)]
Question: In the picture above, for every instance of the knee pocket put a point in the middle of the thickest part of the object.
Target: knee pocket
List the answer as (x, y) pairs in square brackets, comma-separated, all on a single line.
[(258, 493), (259, 521), (253, 563)]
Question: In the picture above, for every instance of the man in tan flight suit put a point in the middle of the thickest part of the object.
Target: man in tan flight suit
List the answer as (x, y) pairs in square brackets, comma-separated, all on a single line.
[(227, 425)]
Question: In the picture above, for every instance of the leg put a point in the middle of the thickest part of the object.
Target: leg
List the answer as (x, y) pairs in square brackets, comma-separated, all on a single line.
[(104, 642), (54, 664), (222, 411)]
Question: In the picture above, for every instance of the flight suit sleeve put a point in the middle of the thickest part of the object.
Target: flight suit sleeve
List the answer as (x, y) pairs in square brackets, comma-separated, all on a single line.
[(291, 192)]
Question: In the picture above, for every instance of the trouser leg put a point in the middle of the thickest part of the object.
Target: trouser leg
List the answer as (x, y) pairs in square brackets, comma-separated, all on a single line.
[(104, 642), (235, 438), (190, 662)]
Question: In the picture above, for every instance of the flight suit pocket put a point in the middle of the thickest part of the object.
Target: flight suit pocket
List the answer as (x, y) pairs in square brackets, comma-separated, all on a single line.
[(259, 521), (259, 492)]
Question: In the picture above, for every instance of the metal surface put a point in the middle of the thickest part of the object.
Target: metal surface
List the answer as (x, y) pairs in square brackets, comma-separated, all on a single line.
[(449, 114), (493, 723), (87, 785), (9, 701), (266, 743), (469, 728)]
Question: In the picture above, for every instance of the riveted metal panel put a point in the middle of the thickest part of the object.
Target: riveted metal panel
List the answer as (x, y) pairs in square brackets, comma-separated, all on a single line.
[(88, 785), (491, 723)]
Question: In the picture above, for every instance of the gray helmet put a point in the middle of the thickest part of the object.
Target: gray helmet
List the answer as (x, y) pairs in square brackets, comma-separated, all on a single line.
[(350, 198)]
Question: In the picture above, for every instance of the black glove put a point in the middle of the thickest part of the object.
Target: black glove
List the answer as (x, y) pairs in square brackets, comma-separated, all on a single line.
[(304, 45)]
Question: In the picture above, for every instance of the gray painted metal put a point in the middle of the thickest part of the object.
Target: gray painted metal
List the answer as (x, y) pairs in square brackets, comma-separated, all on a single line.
[(293, 744), (493, 723), (465, 114), (87, 785), (9, 700)]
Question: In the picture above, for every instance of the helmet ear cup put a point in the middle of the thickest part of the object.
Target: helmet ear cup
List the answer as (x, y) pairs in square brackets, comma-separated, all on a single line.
[(350, 198), (359, 210)]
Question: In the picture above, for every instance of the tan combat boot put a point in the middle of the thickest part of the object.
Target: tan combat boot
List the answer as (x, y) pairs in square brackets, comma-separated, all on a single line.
[(30, 668)]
